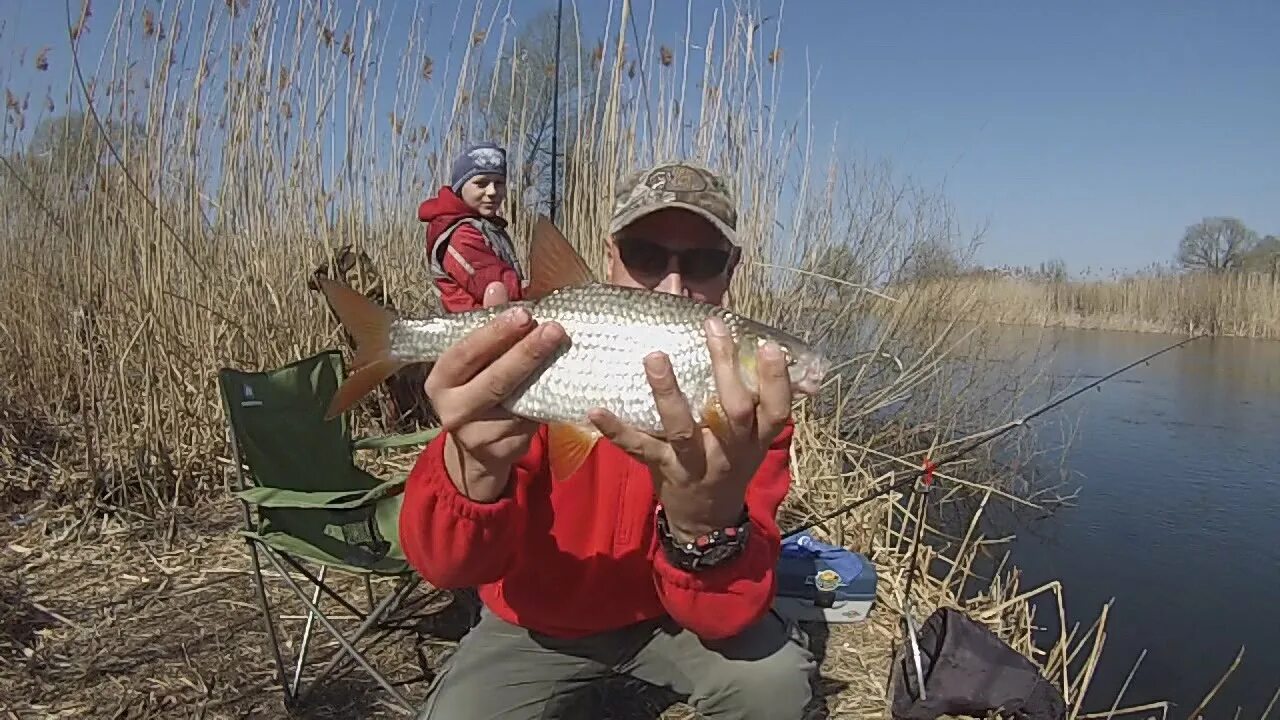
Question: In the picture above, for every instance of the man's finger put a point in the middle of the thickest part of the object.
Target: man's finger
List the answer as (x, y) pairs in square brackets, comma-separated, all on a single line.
[(775, 390), (480, 347), (735, 399), (494, 383), (678, 427), (646, 449)]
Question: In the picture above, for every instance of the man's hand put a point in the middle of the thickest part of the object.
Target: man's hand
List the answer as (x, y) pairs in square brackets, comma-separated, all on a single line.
[(702, 478), (466, 386)]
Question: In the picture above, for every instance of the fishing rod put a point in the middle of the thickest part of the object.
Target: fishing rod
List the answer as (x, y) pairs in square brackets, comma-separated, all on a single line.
[(555, 114), (929, 466)]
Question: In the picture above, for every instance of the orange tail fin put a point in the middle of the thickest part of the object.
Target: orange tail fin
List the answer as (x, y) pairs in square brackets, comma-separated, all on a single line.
[(370, 328)]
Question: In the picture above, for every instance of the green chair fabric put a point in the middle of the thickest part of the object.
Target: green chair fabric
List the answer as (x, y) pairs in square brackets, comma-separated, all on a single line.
[(307, 500), (312, 500)]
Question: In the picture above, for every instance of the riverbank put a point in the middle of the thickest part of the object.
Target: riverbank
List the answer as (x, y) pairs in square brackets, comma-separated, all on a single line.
[(110, 617), (1230, 305)]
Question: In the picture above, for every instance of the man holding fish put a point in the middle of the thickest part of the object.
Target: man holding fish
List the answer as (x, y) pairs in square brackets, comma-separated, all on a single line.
[(613, 459)]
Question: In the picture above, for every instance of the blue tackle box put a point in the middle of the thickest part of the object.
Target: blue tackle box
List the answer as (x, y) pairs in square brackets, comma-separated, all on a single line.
[(821, 582)]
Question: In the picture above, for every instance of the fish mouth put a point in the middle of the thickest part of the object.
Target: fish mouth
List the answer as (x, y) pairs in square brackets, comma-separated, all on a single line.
[(815, 371)]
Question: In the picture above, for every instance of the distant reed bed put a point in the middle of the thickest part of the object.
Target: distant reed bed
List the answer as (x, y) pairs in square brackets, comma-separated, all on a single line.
[(1241, 304)]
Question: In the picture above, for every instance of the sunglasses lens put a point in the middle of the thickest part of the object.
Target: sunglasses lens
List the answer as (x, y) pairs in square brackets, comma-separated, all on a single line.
[(643, 256), (703, 263), (651, 259)]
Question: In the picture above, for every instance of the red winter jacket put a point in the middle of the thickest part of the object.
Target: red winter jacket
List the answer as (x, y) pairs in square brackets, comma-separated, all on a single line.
[(582, 556), (463, 287)]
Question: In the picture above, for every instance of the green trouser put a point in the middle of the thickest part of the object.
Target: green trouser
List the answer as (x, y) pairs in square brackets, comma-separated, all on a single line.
[(504, 672)]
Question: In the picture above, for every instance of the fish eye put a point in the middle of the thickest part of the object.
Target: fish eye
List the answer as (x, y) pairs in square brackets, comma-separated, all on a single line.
[(786, 351)]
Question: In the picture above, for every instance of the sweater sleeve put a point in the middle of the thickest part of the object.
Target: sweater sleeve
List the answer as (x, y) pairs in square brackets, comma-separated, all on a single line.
[(722, 601), (452, 540), (473, 265)]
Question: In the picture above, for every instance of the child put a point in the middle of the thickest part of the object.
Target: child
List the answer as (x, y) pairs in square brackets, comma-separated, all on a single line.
[(467, 243)]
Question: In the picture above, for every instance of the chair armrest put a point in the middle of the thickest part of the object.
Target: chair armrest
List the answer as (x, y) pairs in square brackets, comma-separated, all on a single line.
[(383, 442), (326, 500)]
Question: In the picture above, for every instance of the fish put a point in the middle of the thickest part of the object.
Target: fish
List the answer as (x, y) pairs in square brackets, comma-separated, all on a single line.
[(610, 330)]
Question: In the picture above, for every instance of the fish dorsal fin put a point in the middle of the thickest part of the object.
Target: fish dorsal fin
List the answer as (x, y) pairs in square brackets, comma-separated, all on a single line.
[(553, 262)]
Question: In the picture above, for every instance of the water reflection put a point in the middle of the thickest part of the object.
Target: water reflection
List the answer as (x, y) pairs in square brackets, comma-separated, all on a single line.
[(1178, 464)]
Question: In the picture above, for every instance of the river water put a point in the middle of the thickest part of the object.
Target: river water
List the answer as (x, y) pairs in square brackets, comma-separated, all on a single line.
[(1178, 516)]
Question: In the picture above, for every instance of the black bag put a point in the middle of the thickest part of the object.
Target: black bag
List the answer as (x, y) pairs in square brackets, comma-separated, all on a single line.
[(968, 670)]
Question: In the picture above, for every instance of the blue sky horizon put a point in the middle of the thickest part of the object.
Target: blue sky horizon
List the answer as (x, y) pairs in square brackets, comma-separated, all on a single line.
[(1092, 133)]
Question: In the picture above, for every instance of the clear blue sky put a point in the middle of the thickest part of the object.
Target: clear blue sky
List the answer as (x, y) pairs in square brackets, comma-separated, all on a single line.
[(1090, 131)]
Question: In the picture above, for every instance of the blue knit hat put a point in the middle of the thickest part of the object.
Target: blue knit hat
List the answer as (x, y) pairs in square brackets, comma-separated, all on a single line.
[(479, 159)]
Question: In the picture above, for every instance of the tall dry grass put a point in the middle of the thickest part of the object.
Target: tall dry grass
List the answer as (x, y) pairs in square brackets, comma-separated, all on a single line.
[(227, 148), (248, 139), (1240, 304)]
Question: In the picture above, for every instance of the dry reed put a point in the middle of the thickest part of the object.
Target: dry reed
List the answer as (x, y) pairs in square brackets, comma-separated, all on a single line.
[(172, 232), (1239, 304)]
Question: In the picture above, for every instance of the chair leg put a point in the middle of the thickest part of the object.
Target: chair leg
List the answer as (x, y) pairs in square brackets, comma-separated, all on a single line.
[(346, 645), (306, 633), (256, 564), (387, 629), (387, 606), (325, 588), (266, 617)]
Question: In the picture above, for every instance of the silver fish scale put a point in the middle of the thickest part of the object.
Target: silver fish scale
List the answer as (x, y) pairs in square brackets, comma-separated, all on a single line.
[(611, 330), (426, 340)]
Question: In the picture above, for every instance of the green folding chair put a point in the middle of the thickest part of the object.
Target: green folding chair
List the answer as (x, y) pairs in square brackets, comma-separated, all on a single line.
[(306, 501)]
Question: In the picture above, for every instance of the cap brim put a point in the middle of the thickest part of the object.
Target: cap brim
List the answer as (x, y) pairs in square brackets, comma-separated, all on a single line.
[(625, 219)]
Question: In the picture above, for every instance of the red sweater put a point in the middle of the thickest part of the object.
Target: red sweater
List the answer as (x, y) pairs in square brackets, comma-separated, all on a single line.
[(583, 557), (463, 288)]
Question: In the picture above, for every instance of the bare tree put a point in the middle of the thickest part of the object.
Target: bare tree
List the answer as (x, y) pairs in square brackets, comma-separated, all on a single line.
[(71, 149), (933, 259), (1216, 244), (522, 97), (1265, 256)]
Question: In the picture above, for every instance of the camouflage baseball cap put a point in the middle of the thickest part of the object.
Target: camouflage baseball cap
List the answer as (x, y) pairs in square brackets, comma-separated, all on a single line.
[(675, 185)]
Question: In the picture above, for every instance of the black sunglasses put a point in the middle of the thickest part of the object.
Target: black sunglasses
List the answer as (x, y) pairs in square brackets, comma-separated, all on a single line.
[(651, 259)]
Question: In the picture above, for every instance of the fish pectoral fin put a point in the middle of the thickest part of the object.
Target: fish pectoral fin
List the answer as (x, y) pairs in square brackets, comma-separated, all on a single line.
[(568, 447), (553, 262), (713, 417)]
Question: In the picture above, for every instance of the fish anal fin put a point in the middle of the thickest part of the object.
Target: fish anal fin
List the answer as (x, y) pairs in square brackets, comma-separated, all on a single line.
[(553, 262), (361, 382), (568, 447)]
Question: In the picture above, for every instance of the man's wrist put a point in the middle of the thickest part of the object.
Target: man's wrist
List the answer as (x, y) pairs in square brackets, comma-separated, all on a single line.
[(691, 518), (686, 531), (688, 528), (691, 550), (472, 478)]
